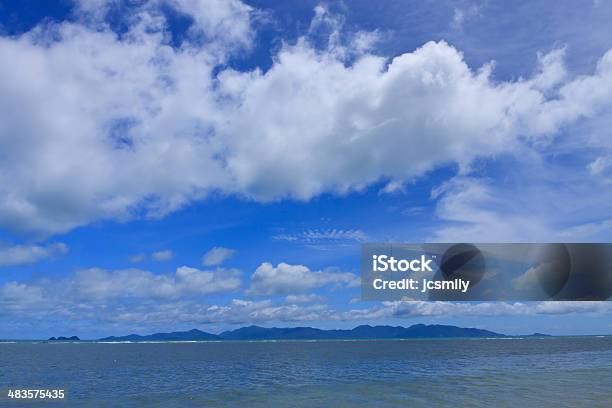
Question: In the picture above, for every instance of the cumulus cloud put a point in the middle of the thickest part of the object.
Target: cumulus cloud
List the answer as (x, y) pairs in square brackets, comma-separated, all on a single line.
[(136, 300), (217, 255), (216, 22), (97, 112), (21, 301), (288, 279), (26, 254), (222, 23), (90, 288), (236, 312), (100, 284), (95, 115)]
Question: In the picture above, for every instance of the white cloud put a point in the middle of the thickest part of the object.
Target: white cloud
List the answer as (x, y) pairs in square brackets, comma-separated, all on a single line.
[(326, 235), (461, 15), (100, 284), (217, 255), (15, 295), (298, 299), (476, 209), (26, 254), (99, 288), (134, 300), (21, 301), (165, 255), (601, 166), (159, 256), (222, 22), (589, 230), (247, 312), (289, 279), (529, 200), (393, 187), (432, 309), (552, 70), (216, 22), (96, 114)]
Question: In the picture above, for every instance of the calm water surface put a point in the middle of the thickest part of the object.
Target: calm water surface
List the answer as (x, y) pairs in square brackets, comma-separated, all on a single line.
[(552, 372)]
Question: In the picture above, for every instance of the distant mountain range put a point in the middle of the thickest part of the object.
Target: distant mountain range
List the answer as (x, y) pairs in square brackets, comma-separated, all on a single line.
[(194, 334), (310, 333)]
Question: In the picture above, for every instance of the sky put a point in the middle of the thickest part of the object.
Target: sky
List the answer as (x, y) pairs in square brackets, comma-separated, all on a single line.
[(171, 164)]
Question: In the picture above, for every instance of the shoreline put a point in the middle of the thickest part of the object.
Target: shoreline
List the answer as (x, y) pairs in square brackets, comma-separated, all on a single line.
[(550, 337)]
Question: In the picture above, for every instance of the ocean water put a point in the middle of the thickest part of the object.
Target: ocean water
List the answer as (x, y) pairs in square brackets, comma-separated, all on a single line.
[(529, 372)]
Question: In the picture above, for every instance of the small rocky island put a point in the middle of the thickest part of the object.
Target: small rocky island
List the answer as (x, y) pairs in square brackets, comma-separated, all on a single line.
[(62, 338)]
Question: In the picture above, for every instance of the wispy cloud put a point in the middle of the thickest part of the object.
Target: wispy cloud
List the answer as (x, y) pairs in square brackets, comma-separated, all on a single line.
[(159, 256), (27, 254), (462, 15), (299, 299), (165, 255), (316, 236), (138, 258)]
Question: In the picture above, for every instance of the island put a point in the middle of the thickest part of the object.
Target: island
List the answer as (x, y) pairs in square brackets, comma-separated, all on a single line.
[(62, 338), (363, 332)]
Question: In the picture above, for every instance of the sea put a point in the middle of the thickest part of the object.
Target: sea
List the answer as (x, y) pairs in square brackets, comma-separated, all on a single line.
[(514, 372)]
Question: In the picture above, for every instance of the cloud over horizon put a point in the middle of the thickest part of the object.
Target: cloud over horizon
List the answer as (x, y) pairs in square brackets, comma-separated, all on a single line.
[(131, 137)]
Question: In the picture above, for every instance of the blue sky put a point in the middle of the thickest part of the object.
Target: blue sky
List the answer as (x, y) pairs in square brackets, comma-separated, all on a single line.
[(137, 137)]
